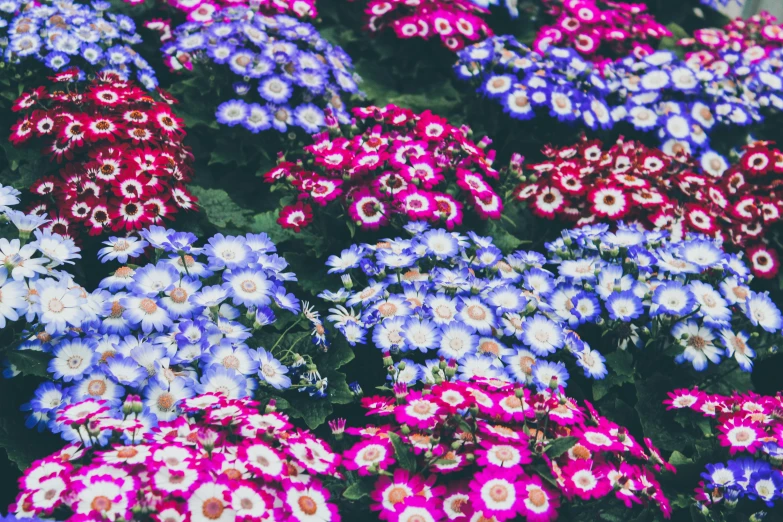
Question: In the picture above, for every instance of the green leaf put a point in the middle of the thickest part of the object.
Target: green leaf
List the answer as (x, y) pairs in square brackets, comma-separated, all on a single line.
[(560, 446), (402, 453), (220, 208), (669, 43), (678, 459), (30, 362), (358, 490), (267, 222)]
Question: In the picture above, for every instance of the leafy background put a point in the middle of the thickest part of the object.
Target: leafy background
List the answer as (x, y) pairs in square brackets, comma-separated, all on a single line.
[(233, 199)]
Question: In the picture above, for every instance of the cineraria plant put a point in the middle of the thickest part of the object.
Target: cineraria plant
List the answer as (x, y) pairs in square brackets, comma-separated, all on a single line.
[(600, 29), (60, 33), (446, 307), (389, 167), (744, 424), (527, 84), (585, 183), (681, 103), (751, 39), (202, 10), (216, 318), (31, 259), (688, 299), (455, 22), (122, 163), (486, 450), (265, 71), (220, 460)]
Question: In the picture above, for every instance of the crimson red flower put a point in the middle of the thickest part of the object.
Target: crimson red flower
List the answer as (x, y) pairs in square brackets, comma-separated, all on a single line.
[(296, 216), (397, 165), (739, 203), (124, 165)]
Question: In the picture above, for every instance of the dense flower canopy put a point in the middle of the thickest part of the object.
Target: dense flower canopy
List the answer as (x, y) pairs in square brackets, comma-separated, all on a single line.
[(455, 22), (221, 459), (391, 166), (284, 73), (61, 33), (124, 164), (472, 450), (680, 102), (587, 183), (198, 320)]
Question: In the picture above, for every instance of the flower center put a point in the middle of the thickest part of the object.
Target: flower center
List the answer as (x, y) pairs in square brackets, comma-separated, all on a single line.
[(537, 498), (498, 493), (308, 505), (212, 508), (74, 361), (231, 362), (96, 388), (248, 286), (127, 453), (148, 306), (179, 295), (476, 313), (101, 503), (165, 401), (56, 306)]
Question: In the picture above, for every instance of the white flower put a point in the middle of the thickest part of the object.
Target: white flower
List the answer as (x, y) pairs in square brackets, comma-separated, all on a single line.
[(207, 504)]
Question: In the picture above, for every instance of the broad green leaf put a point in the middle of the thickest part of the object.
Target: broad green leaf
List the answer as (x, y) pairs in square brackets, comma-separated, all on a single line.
[(220, 208), (30, 362), (402, 453), (358, 490), (560, 446)]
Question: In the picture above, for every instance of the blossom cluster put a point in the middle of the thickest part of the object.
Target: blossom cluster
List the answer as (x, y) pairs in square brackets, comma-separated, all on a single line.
[(282, 72), (391, 165), (644, 290), (528, 84), (745, 423), (61, 33), (751, 38), (221, 460), (458, 300), (202, 10), (28, 266), (455, 22), (478, 450), (193, 321), (585, 183), (124, 164), (600, 29), (680, 102)]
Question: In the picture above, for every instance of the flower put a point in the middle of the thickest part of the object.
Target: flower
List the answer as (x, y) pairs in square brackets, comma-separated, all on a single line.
[(117, 182), (187, 472), (454, 22), (389, 169), (299, 81), (95, 49), (476, 458)]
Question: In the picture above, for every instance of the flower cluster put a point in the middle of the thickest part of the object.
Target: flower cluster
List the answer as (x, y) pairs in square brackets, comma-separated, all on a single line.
[(391, 163), (282, 71), (680, 102), (745, 423), (684, 102), (456, 22), (689, 296), (28, 266), (203, 10), (124, 165), (527, 84), (191, 322), (221, 460), (600, 29), (460, 300), (750, 39), (477, 451), (63, 32), (584, 183)]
